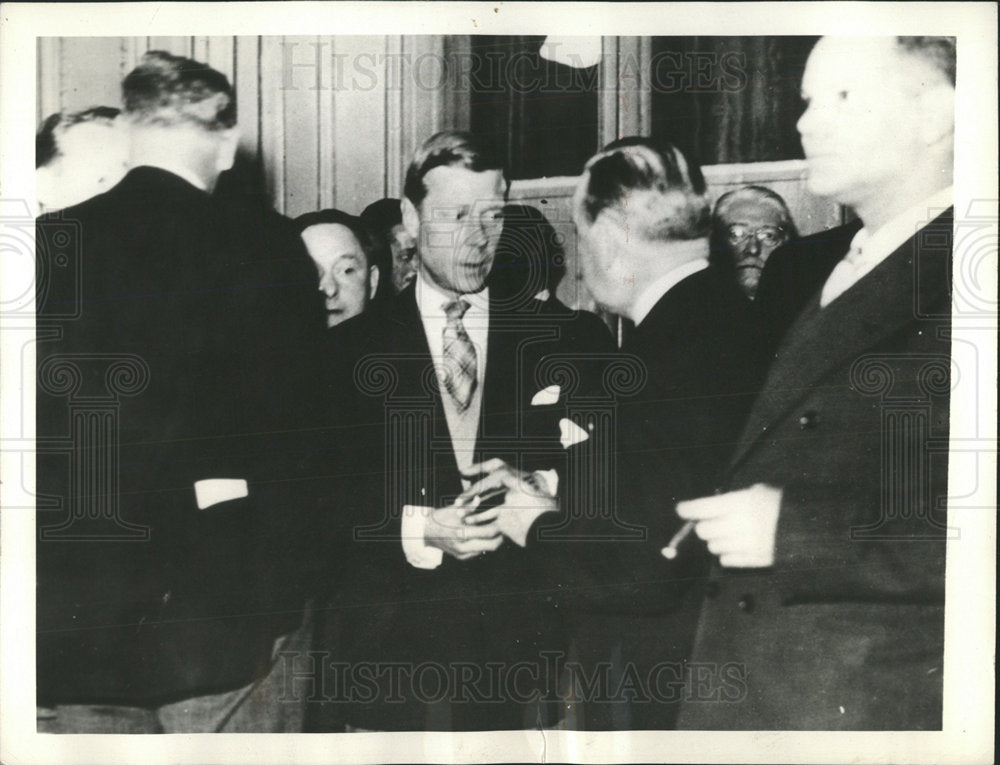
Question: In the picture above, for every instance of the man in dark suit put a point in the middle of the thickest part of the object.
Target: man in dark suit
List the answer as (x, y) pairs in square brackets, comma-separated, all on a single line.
[(169, 511), (435, 620), (828, 597), (794, 273), (643, 221)]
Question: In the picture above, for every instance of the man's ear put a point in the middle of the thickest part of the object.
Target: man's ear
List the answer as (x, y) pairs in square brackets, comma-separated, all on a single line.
[(411, 219), (229, 141), (373, 274), (937, 110)]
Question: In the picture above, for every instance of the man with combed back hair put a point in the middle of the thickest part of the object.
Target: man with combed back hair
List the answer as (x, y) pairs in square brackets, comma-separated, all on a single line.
[(643, 223), (172, 509), (828, 587), (438, 623)]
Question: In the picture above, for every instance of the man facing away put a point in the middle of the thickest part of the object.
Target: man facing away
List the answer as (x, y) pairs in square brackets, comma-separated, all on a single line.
[(643, 221), (170, 506), (828, 592), (78, 156), (438, 628)]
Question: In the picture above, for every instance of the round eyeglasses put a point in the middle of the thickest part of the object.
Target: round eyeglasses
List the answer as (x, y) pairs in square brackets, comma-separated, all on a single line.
[(769, 235)]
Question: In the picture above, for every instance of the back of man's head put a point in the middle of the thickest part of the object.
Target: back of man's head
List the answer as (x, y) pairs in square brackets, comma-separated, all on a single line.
[(78, 155), (182, 117), (655, 190), (48, 140), (168, 90), (449, 148)]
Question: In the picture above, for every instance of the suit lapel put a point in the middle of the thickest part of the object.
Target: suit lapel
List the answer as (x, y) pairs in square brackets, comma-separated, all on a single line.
[(821, 339), (418, 385), (499, 402)]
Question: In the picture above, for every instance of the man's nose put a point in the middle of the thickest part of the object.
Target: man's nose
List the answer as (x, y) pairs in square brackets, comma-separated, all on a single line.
[(474, 237), (811, 120), (752, 245), (328, 286)]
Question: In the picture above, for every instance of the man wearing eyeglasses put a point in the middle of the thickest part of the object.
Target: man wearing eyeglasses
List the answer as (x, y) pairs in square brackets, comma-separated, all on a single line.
[(435, 618), (748, 224)]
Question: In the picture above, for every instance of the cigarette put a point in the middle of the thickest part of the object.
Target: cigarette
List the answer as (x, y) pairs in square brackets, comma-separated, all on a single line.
[(478, 499), (670, 551)]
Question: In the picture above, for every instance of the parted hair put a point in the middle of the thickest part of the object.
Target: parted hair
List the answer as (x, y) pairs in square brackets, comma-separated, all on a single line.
[(658, 190), (169, 90), (449, 148)]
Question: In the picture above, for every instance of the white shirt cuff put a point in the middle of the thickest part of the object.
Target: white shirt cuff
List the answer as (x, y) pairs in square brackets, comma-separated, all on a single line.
[(419, 554)]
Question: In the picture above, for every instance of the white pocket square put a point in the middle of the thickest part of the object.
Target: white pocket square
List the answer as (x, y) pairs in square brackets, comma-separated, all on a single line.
[(570, 433), (546, 396), (212, 491)]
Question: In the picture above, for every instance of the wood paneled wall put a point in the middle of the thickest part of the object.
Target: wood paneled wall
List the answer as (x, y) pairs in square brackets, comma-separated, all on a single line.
[(333, 120)]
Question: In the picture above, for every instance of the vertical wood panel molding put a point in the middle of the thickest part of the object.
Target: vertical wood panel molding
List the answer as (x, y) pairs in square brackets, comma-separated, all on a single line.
[(272, 119), (348, 143), (298, 83), (360, 123), (246, 82), (607, 93), (49, 78), (633, 86), (395, 159), (326, 119)]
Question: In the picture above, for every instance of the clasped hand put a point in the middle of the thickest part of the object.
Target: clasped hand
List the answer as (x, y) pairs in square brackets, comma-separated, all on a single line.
[(464, 531)]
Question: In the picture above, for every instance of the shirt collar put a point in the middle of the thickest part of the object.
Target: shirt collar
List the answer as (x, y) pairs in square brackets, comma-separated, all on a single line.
[(877, 245), (660, 287), (431, 299)]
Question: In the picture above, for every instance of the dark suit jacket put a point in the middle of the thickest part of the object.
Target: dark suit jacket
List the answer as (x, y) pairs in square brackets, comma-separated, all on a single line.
[(180, 356), (846, 630), (673, 435), (391, 437), (793, 274)]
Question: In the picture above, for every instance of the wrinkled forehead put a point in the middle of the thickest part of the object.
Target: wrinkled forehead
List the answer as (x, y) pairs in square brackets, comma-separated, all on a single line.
[(456, 186)]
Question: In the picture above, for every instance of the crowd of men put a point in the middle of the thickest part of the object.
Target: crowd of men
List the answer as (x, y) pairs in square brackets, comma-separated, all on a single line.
[(429, 496)]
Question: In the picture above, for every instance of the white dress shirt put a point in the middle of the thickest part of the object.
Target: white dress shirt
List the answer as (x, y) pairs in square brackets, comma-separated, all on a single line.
[(463, 427), (869, 248)]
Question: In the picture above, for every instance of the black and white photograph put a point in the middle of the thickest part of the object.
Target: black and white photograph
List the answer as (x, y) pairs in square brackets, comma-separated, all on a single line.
[(496, 382)]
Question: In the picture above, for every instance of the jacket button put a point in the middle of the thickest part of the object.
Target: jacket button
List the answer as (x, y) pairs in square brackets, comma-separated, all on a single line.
[(712, 590), (808, 420), (747, 603)]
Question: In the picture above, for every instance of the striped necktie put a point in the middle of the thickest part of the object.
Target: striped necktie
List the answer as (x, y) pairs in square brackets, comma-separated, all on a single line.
[(459, 356)]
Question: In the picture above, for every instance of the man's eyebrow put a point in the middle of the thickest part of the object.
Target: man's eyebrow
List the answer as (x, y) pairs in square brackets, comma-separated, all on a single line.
[(348, 255)]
